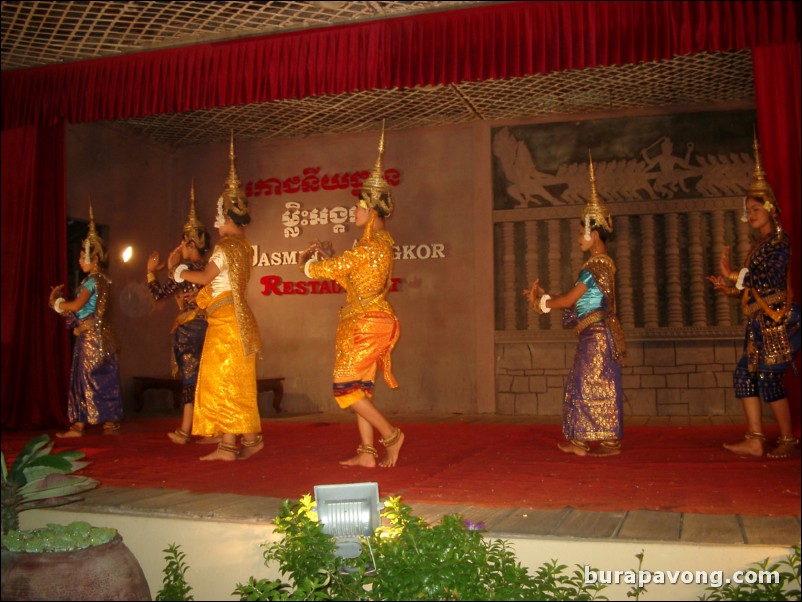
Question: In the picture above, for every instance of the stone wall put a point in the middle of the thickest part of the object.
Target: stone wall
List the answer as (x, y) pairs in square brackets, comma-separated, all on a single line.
[(666, 378)]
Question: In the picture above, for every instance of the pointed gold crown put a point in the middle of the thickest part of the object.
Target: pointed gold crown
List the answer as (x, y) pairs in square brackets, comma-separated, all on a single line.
[(595, 209), (93, 244), (760, 188), (233, 196), (376, 191), (194, 230)]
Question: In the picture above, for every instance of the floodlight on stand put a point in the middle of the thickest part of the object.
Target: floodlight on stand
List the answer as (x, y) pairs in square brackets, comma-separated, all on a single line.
[(347, 512)]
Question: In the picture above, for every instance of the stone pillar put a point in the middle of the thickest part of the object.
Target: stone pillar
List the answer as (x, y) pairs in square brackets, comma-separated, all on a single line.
[(673, 283)]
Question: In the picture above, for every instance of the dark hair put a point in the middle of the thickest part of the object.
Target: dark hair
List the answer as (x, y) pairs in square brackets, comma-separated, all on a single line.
[(381, 207), (202, 250), (240, 220), (604, 235)]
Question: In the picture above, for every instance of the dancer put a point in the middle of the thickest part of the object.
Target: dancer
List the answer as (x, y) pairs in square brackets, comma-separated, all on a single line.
[(189, 328), (772, 336), (368, 328), (94, 396), (593, 402), (225, 395)]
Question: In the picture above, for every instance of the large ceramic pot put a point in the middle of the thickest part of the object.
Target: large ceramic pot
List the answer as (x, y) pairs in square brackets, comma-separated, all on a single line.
[(105, 572)]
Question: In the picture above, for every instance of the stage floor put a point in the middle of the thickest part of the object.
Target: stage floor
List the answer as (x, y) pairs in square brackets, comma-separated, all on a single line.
[(672, 483)]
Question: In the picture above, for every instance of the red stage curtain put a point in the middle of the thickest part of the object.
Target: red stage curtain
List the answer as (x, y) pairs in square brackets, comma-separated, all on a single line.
[(496, 41), (36, 346), (777, 94)]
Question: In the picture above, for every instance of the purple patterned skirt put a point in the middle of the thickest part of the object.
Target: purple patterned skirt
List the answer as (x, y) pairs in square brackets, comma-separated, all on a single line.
[(593, 407), (94, 395)]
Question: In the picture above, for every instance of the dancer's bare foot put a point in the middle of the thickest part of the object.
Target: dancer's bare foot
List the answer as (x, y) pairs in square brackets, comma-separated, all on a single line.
[(251, 447), (72, 432), (606, 450), (224, 452), (751, 445), (786, 448), (178, 437), (111, 428), (392, 446), (365, 457), (574, 447)]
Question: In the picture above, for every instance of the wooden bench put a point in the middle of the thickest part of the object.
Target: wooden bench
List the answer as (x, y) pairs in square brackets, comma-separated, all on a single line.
[(175, 385)]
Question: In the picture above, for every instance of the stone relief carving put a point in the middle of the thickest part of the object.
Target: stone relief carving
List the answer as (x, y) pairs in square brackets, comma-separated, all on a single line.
[(661, 160)]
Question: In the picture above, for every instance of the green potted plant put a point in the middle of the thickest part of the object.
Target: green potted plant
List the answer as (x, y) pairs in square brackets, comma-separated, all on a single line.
[(71, 562)]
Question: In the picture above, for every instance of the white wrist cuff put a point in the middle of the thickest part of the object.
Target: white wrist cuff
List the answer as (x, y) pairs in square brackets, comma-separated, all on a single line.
[(739, 284), (309, 262), (177, 273), (543, 307), (57, 305)]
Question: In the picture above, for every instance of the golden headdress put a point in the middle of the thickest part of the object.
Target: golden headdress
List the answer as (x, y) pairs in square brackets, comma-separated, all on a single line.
[(595, 209), (376, 192), (93, 244), (760, 188), (194, 230), (233, 196)]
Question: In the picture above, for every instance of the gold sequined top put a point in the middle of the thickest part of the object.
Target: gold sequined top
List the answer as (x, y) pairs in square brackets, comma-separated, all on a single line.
[(239, 254), (364, 272), (602, 267)]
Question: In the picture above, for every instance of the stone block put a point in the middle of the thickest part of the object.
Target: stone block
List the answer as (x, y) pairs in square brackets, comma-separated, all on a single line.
[(520, 384), (727, 353), (550, 404), (705, 402), (526, 404), (555, 382), (771, 530), (733, 406), (711, 528), (503, 383), (659, 354), (695, 352), (651, 525), (639, 402), (631, 381), (667, 396), (724, 379), (634, 354), (549, 356), (653, 381), (671, 369), (505, 404), (672, 409), (513, 356), (677, 381), (702, 380), (538, 384)]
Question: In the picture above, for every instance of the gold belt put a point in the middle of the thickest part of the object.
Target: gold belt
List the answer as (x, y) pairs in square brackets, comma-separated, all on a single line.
[(751, 308), (360, 307), (597, 315), (215, 305), (83, 326)]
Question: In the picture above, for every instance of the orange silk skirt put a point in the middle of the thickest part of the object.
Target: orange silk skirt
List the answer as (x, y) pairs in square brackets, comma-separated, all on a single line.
[(225, 396)]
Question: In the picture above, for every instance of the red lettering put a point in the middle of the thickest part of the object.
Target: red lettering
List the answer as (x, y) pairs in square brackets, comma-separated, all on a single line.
[(287, 287), (300, 287), (271, 285), (325, 288)]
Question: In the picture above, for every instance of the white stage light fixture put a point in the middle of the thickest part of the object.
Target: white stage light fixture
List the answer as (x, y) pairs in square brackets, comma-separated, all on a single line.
[(347, 512)]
